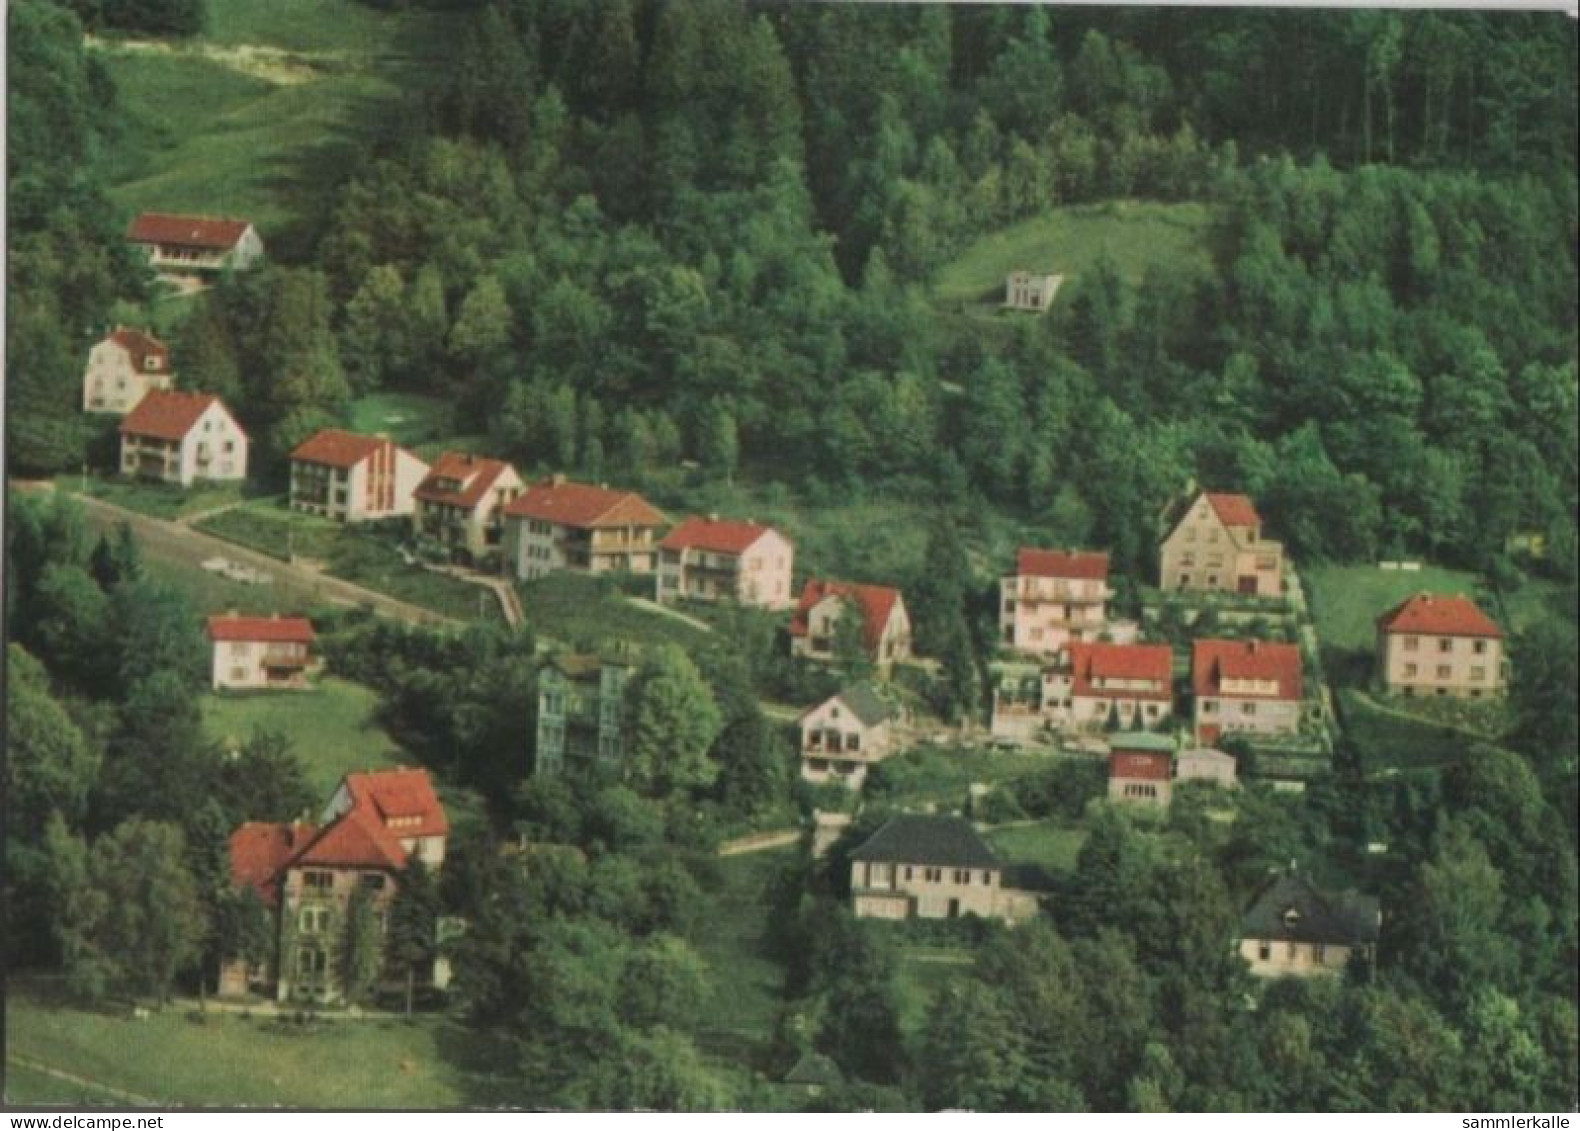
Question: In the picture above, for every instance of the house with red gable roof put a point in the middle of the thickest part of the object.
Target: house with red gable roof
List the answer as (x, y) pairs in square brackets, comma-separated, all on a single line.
[(307, 875), (557, 524), (885, 623), (1141, 769), (1053, 597), (180, 437), (354, 478), (1245, 686), (1215, 545), (1437, 644), (714, 559), (260, 653), (185, 245), (123, 367), (461, 503), (1095, 686)]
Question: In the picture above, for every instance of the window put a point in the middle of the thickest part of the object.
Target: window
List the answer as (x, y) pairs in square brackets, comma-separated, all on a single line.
[(1212, 579), (238, 673), (1411, 643), (312, 920), (1319, 953), (372, 881), (962, 876), (933, 875), (320, 881), (987, 879), (1479, 647), (1444, 671), (1478, 674), (1445, 645), (1209, 706), (1409, 670), (1264, 951), (1247, 708)]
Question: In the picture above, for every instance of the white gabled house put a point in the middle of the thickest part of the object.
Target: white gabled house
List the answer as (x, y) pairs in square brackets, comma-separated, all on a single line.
[(180, 437)]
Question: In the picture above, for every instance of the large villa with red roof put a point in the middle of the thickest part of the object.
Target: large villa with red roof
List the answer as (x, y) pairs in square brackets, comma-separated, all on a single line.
[(181, 245), (1249, 686), (306, 874), (251, 653), (182, 437), (1435, 644), (714, 559), (885, 624), (1095, 685), (1216, 546), (461, 503), (1052, 598), (352, 478), (560, 525), (123, 367)]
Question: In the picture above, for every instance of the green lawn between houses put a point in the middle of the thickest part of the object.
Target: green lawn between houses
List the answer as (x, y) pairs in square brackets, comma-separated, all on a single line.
[(1052, 844), (159, 500)]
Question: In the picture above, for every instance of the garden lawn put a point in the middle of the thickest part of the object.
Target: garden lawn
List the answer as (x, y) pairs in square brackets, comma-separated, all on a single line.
[(921, 973), (26, 1085), (407, 418), (1346, 600), (590, 612), (215, 593), (1390, 741), (945, 775), (160, 500), (1051, 844), (1132, 235), (332, 727), (747, 984)]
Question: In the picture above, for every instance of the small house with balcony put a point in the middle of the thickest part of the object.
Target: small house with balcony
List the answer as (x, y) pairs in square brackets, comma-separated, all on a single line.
[(260, 653), (350, 478), (1250, 687), (195, 245), (714, 559), (560, 525), (1440, 645), (1054, 597), (846, 733), (1214, 544), (930, 867), (884, 625), (1141, 769), (1295, 929), (124, 367), (177, 437), (461, 502)]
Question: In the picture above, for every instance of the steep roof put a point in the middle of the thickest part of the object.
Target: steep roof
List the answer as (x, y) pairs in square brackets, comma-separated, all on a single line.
[(863, 701), (260, 849), (402, 793), (1438, 614), (564, 503), (353, 840), (337, 447), (475, 474), (188, 231), (275, 629), (142, 346), (876, 602), (945, 842), (1142, 765), (1084, 565), (167, 414), (1291, 908), (1090, 662), (1233, 510), (715, 535), (1213, 661)]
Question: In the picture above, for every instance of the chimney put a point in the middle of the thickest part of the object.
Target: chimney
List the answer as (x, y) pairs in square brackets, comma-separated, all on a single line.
[(713, 518), (1254, 645), (557, 479)]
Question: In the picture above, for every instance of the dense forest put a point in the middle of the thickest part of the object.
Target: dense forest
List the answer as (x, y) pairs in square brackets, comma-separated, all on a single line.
[(628, 234)]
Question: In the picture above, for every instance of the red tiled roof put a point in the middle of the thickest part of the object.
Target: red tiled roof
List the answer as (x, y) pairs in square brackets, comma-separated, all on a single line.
[(260, 849), (354, 840), (286, 630), (167, 414), (188, 231), (337, 447), (1144, 765), (399, 793), (583, 505), (476, 474), (1215, 660), (718, 536), (140, 346), (1080, 564), (1438, 614), (1089, 662), (1234, 510), (877, 604)]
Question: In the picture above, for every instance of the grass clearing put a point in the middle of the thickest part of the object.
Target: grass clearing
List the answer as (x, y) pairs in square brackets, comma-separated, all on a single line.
[(407, 418), (27, 1085), (943, 776), (1389, 741), (1133, 235), (333, 727), (591, 612), (159, 500), (1346, 600), (921, 974), (739, 1016), (1052, 844)]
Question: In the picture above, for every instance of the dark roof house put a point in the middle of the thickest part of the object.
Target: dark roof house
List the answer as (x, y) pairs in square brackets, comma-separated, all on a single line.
[(941, 842), (1293, 909)]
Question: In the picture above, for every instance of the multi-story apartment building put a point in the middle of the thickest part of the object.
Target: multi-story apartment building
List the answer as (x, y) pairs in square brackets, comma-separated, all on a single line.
[(123, 367), (260, 653), (885, 625), (1295, 929), (1435, 644), (182, 437), (1215, 545), (461, 504), (1246, 686), (560, 525), (352, 478), (1053, 597), (714, 559), (186, 245), (933, 868), (581, 713), (845, 734)]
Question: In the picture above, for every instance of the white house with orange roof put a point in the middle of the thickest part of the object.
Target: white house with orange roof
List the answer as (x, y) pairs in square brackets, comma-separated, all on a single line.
[(560, 525), (1097, 685), (123, 367), (885, 623), (1441, 645), (714, 559), (1215, 545), (183, 437), (461, 503), (1053, 597), (353, 478), (182, 245), (260, 653), (404, 802), (1245, 686)]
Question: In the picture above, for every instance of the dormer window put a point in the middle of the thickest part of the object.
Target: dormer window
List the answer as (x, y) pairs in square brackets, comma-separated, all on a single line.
[(1291, 918)]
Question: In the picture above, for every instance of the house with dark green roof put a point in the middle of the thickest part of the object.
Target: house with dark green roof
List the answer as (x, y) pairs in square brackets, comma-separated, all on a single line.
[(1295, 928), (846, 733), (928, 867)]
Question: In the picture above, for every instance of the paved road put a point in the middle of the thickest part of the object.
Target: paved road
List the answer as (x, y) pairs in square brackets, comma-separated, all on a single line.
[(171, 542)]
